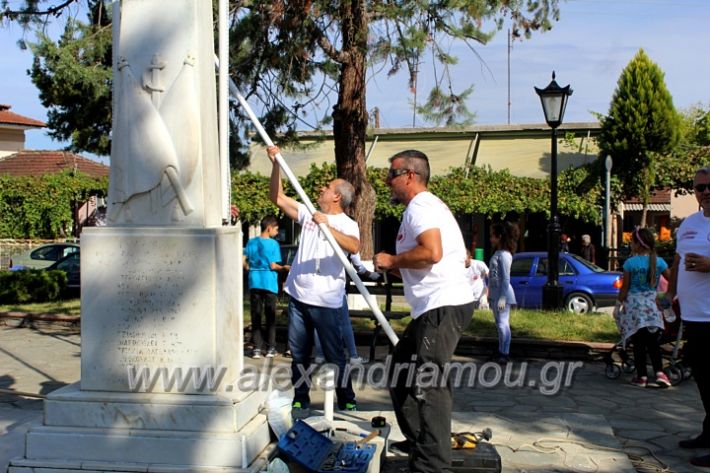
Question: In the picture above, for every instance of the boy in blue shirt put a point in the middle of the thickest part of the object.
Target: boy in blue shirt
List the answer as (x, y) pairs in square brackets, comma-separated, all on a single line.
[(262, 256)]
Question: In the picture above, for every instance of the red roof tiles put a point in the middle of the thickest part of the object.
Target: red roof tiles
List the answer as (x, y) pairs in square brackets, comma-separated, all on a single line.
[(38, 163), (11, 118), (662, 196)]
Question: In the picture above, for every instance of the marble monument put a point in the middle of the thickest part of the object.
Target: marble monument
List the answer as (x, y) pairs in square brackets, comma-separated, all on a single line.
[(161, 287)]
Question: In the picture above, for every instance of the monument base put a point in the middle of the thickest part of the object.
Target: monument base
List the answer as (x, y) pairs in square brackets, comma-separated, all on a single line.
[(139, 432), (161, 361)]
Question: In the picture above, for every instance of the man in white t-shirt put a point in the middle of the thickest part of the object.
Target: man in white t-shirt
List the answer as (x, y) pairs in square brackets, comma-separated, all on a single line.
[(430, 258), (690, 281), (316, 284)]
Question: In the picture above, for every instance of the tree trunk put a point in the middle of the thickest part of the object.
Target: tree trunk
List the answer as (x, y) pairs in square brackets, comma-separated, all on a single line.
[(644, 214), (350, 121)]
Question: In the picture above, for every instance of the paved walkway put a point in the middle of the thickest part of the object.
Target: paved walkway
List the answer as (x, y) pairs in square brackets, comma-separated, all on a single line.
[(560, 416)]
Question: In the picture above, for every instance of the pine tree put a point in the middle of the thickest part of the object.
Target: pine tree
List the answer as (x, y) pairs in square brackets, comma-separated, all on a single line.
[(306, 49), (642, 126)]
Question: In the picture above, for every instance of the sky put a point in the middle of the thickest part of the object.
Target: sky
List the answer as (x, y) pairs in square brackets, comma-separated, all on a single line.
[(587, 48)]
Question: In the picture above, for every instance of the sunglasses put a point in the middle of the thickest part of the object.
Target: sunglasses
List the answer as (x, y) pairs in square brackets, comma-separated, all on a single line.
[(398, 172), (701, 187)]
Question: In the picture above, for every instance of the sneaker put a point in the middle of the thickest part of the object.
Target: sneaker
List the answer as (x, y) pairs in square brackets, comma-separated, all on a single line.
[(662, 380), (641, 382), (256, 353), (299, 410), (271, 352), (502, 359), (319, 360), (349, 406), (698, 442), (400, 448), (358, 360)]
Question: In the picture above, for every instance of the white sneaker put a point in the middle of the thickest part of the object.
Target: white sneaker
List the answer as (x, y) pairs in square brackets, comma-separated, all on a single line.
[(358, 360)]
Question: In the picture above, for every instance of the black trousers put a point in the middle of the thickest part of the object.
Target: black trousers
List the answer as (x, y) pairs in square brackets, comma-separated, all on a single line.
[(697, 354), (263, 302), (422, 402), (646, 342)]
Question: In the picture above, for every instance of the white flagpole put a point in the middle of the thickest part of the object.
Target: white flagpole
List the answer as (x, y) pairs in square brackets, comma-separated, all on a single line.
[(225, 181), (324, 228)]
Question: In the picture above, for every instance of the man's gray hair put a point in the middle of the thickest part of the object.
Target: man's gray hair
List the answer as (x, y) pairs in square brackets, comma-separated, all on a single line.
[(346, 191)]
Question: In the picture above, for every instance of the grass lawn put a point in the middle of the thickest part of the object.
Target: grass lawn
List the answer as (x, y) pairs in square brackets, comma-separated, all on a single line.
[(65, 307), (524, 323)]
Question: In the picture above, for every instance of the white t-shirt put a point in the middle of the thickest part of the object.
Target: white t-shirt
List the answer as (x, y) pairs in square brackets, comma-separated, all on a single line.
[(694, 287), (444, 283), (317, 277), (476, 271)]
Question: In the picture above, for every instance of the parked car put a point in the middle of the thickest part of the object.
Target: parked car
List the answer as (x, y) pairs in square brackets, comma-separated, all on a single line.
[(70, 264), (43, 256), (585, 285)]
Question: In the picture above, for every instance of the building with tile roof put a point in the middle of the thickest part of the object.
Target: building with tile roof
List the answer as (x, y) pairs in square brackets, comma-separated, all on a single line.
[(38, 163), (12, 130)]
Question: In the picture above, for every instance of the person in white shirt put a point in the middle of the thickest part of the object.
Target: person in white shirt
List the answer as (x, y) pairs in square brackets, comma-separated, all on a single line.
[(477, 272), (316, 284), (430, 258), (690, 281)]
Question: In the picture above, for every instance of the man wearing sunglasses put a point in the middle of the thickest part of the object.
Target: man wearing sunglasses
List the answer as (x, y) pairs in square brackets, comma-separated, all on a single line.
[(690, 281), (430, 258), (316, 284)]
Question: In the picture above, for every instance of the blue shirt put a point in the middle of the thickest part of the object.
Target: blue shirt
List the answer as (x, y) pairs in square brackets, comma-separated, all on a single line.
[(260, 253), (637, 267)]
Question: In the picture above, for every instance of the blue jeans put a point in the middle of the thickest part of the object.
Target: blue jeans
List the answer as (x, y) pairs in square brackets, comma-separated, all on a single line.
[(502, 318), (302, 321), (346, 328)]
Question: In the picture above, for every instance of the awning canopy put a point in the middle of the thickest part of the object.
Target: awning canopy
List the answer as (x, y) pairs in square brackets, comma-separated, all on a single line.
[(651, 207), (522, 149)]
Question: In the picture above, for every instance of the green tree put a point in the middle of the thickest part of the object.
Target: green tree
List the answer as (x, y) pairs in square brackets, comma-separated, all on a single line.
[(641, 127), (676, 170), (73, 76)]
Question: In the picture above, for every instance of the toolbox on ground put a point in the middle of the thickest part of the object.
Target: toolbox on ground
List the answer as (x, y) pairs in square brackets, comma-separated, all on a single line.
[(317, 453), (484, 458)]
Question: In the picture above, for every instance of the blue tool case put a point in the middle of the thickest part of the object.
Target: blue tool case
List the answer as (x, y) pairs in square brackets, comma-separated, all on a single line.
[(317, 453)]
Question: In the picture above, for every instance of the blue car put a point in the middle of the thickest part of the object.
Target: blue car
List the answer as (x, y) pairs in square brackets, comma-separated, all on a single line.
[(585, 285)]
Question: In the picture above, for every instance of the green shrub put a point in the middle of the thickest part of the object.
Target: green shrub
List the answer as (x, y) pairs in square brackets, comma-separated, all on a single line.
[(31, 285)]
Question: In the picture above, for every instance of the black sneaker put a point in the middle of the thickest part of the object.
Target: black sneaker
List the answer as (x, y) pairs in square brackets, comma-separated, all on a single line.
[(349, 406), (300, 410), (400, 448), (256, 354)]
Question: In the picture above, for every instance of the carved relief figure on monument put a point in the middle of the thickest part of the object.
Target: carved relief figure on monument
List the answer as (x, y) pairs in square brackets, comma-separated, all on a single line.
[(158, 141)]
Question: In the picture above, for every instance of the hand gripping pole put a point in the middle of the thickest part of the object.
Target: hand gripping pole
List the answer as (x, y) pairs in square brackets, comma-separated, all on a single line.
[(234, 92)]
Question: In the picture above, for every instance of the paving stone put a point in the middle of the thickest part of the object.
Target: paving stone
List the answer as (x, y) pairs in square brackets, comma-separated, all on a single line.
[(594, 418)]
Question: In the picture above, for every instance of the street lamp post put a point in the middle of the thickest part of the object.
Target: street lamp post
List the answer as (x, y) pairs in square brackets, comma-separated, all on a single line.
[(554, 101), (608, 163)]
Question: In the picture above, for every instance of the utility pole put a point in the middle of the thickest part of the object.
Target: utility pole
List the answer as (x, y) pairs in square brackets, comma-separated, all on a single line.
[(510, 46)]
